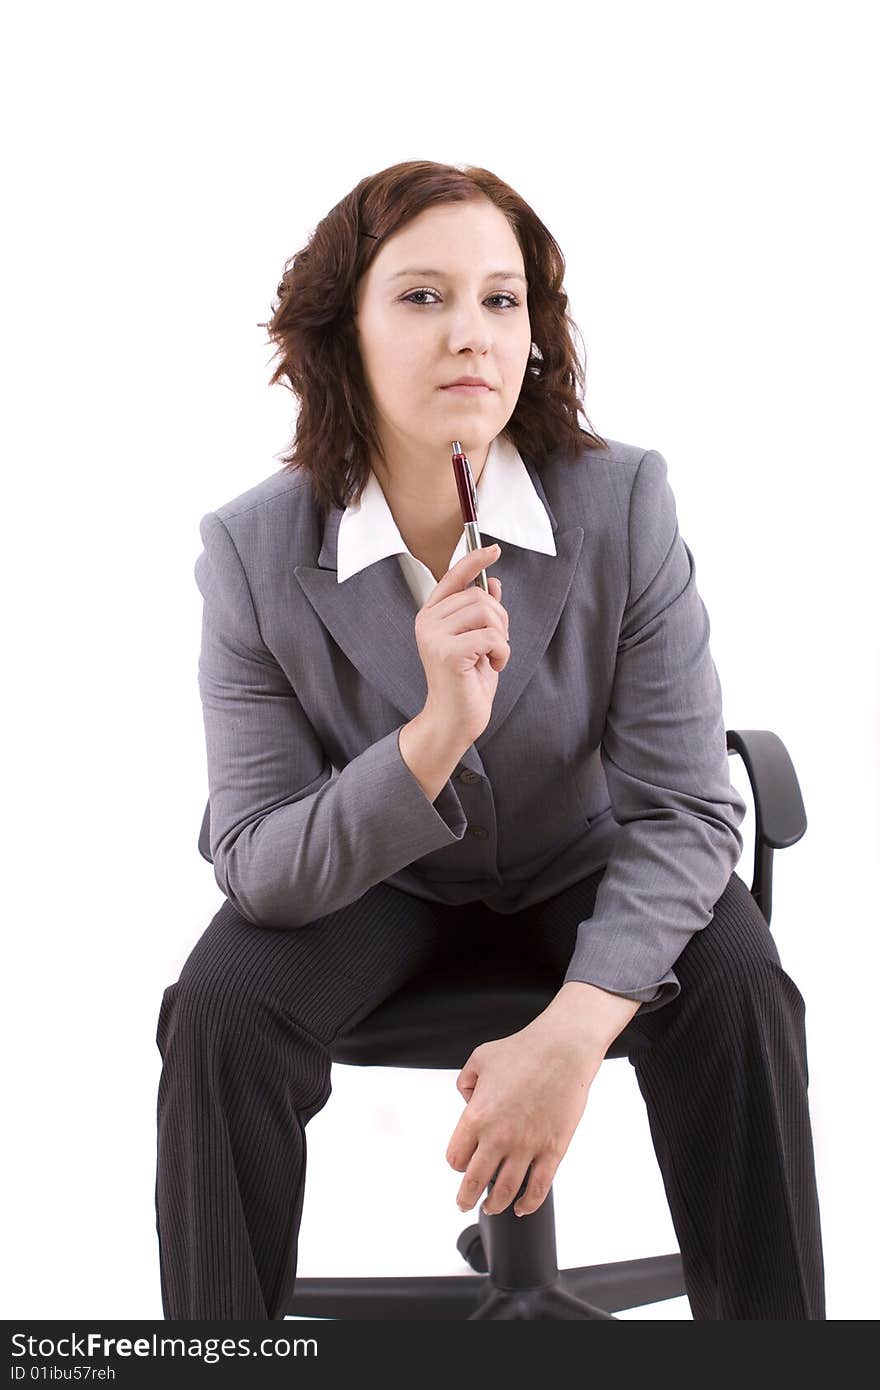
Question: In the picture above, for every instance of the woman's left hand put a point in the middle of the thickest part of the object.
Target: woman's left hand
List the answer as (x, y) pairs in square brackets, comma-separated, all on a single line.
[(526, 1095)]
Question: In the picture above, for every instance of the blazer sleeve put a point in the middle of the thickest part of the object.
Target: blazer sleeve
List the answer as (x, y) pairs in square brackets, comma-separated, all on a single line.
[(291, 837), (664, 751)]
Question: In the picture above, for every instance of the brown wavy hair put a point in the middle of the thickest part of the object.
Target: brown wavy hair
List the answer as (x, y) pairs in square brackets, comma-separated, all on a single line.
[(313, 328)]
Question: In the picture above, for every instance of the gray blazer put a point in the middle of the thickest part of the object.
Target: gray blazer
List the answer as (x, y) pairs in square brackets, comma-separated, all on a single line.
[(606, 744)]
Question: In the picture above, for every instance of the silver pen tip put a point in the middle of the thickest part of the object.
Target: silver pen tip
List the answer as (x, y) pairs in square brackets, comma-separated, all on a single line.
[(456, 446)]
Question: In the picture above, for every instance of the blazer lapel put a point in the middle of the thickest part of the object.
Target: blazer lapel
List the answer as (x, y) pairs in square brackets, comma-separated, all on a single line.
[(371, 617)]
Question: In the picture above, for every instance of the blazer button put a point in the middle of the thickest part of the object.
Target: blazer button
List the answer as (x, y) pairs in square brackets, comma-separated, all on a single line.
[(467, 776), (479, 831)]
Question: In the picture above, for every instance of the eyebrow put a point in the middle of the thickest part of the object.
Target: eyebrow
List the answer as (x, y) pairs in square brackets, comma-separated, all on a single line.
[(441, 274)]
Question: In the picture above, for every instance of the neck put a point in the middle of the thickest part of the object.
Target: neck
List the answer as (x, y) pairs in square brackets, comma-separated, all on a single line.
[(423, 499)]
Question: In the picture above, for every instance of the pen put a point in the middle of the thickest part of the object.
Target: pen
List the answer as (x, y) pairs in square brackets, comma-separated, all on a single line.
[(467, 496)]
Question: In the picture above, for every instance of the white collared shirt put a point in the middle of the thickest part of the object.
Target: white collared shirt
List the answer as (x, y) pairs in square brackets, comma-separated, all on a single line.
[(508, 509)]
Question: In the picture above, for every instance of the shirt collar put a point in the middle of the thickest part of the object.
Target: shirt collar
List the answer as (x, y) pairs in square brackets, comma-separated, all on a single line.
[(508, 509)]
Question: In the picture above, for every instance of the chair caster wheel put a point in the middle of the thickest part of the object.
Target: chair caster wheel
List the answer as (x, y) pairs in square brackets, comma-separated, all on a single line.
[(470, 1247)]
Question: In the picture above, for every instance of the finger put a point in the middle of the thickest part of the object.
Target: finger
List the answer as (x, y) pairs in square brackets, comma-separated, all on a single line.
[(471, 621), (488, 642), (540, 1181), (507, 1184), (463, 572), (462, 1146), (459, 1152), (466, 1081), (482, 1166), (471, 606)]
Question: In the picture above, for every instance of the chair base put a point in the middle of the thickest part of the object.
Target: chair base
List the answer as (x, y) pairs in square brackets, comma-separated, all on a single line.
[(624, 1284)]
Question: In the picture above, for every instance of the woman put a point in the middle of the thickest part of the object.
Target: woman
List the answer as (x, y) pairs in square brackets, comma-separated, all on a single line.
[(398, 760)]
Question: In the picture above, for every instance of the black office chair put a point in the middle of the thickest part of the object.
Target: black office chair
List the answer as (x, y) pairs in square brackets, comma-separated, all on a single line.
[(437, 1020)]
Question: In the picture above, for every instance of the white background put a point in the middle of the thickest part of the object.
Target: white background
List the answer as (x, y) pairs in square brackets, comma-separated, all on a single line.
[(706, 170)]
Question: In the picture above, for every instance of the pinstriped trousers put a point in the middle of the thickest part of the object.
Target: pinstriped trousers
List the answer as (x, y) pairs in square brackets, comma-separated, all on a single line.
[(245, 1032)]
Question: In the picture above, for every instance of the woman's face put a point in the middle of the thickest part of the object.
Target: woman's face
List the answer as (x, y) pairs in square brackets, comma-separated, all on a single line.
[(445, 297)]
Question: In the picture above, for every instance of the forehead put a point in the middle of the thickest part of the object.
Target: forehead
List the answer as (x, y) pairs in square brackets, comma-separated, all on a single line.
[(452, 241)]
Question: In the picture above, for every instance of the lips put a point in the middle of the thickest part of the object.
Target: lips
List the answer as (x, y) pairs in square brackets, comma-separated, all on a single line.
[(473, 387), (468, 381)]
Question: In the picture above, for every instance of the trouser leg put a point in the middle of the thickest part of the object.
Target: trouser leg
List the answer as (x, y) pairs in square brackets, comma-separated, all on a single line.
[(244, 1035), (723, 1072), (725, 1082)]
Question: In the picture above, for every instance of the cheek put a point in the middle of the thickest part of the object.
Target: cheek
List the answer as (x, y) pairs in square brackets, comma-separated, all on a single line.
[(401, 384), (516, 357)]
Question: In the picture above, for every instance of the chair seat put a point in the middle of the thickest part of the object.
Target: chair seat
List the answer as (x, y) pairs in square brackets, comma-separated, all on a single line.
[(438, 1018)]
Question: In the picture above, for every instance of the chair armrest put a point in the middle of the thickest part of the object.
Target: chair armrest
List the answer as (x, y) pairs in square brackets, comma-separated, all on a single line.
[(780, 818), (205, 833)]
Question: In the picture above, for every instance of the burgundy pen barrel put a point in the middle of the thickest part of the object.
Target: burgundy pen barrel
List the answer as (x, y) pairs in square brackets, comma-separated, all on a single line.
[(462, 482), (467, 498)]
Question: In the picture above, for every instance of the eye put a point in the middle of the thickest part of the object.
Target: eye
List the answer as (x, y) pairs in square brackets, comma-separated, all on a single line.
[(513, 301)]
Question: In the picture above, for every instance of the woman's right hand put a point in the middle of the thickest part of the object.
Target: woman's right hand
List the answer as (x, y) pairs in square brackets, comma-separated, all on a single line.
[(462, 636)]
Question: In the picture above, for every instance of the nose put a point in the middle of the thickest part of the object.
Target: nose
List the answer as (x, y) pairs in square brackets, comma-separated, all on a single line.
[(469, 330)]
